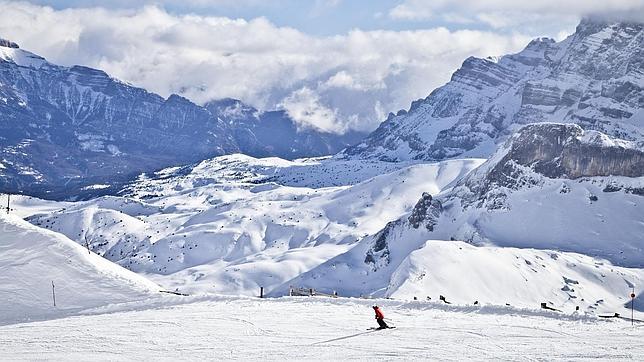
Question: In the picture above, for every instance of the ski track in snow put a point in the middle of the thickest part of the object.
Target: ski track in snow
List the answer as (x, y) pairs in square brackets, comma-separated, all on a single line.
[(319, 329)]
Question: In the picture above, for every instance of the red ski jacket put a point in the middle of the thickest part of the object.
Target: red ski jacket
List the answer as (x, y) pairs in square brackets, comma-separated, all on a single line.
[(379, 314)]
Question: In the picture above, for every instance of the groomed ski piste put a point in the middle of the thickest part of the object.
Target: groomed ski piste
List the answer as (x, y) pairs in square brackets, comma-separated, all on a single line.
[(309, 328)]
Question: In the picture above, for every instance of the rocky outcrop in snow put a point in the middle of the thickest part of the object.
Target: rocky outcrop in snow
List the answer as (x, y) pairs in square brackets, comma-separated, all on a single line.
[(554, 151), (8, 44), (566, 151), (426, 212)]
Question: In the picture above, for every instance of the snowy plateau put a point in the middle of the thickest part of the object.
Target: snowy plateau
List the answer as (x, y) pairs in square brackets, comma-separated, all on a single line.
[(529, 251)]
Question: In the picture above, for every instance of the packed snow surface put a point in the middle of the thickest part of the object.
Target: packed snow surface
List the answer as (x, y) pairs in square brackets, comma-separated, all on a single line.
[(320, 329)]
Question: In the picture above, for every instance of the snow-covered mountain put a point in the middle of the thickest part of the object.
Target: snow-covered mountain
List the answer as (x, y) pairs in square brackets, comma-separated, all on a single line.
[(233, 223), (63, 128), (464, 274), (594, 78), (555, 215), (552, 190)]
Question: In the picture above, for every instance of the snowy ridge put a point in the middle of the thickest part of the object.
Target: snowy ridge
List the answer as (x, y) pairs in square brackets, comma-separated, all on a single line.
[(238, 168), (21, 57), (32, 258)]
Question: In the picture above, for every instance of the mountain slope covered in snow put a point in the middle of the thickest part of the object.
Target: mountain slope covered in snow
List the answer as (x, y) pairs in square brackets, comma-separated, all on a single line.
[(553, 216), (63, 129), (552, 189), (594, 78), (32, 258), (200, 230)]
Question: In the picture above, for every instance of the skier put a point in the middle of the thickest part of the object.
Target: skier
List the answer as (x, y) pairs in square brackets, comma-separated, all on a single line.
[(380, 318)]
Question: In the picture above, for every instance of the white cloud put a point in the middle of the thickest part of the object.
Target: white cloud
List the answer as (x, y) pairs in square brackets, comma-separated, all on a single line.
[(304, 106), (500, 12), (413, 10), (343, 79), (346, 81)]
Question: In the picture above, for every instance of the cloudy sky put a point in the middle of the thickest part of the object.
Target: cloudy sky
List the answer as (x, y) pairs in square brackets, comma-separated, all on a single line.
[(332, 64)]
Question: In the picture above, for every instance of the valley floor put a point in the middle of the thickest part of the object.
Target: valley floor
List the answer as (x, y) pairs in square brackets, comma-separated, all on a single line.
[(215, 328)]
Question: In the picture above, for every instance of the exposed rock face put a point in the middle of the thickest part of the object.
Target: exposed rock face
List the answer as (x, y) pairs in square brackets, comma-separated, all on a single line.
[(426, 211), (593, 78), (555, 151), (63, 128), (379, 255), (8, 44), (561, 151)]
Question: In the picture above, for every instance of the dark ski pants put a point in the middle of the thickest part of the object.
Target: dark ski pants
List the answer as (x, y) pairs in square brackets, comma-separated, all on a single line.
[(382, 323)]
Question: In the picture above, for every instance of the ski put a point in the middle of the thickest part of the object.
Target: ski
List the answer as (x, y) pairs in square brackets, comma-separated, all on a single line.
[(378, 328)]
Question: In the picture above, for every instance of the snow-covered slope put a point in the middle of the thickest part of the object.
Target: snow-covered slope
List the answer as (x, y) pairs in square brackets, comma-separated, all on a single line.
[(227, 225), (524, 276), (550, 187), (570, 199), (32, 258), (249, 329), (594, 78), (464, 273), (553, 186)]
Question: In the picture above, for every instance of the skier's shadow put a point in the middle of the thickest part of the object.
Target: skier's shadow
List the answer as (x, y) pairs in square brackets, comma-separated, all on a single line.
[(345, 337)]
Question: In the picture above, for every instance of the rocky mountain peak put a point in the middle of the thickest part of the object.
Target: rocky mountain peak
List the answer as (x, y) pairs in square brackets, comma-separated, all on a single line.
[(594, 24), (592, 78), (8, 44), (540, 43)]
